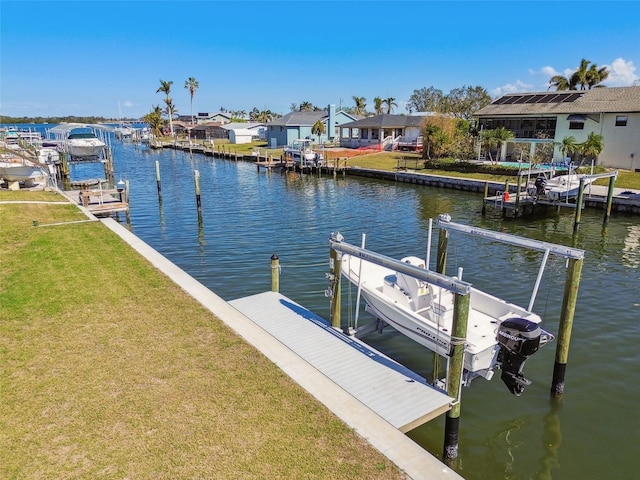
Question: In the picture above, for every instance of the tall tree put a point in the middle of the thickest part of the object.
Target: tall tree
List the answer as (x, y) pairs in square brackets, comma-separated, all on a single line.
[(427, 99), (318, 129), (360, 105), (165, 87), (463, 102), (306, 106), (192, 85), (378, 103), (585, 77), (390, 103)]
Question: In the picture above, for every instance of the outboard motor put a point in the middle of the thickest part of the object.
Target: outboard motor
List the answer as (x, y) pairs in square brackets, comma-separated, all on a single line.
[(540, 183), (519, 339)]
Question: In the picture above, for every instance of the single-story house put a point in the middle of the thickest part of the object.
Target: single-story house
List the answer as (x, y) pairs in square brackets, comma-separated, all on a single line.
[(549, 117), (220, 117), (382, 131), (299, 125), (245, 132)]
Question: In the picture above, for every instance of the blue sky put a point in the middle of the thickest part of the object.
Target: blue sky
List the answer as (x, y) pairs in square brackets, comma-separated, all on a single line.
[(107, 58)]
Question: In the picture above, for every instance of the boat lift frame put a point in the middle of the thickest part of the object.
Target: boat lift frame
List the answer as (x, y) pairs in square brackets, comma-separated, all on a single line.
[(462, 290)]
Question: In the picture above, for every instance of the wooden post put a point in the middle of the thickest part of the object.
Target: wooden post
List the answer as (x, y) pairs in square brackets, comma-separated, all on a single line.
[(126, 199), (158, 181), (275, 273), (607, 215), (515, 213), (484, 198), (196, 175), (335, 261), (454, 376), (578, 216), (566, 323), (505, 195), (443, 240)]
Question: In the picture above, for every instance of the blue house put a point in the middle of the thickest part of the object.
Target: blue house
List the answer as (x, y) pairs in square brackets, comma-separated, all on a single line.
[(296, 125)]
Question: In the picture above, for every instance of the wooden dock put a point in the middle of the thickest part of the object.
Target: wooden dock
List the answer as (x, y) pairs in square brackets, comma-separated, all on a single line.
[(395, 393)]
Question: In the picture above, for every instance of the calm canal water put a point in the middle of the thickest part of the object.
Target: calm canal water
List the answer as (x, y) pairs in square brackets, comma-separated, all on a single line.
[(593, 433)]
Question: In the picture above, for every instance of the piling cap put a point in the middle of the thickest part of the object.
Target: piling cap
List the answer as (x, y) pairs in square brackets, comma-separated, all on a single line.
[(274, 256)]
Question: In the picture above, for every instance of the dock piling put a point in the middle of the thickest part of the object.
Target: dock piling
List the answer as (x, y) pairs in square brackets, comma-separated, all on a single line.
[(454, 377), (196, 177), (158, 184), (275, 273), (566, 323)]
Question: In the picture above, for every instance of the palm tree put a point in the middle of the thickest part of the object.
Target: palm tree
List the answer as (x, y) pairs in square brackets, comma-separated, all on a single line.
[(264, 116), (568, 146), (192, 85), (579, 77), (592, 146), (390, 103), (318, 129), (585, 76), (306, 106), (559, 82), (377, 105), (165, 87), (154, 119), (361, 105), (596, 75)]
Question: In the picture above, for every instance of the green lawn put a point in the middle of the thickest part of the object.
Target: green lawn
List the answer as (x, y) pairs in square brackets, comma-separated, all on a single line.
[(109, 370)]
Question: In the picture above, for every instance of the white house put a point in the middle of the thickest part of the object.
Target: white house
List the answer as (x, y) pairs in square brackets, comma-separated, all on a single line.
[(549, 117)]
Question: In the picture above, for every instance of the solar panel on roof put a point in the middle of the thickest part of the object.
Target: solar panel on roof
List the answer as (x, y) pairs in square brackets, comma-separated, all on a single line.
[(512, 99), (571, 97), (500, 100), (534, 98)]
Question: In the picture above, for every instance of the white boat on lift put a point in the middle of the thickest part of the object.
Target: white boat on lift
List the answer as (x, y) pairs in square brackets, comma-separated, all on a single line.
[(301, 151), (419, 304), (424, 312), (82, 141)]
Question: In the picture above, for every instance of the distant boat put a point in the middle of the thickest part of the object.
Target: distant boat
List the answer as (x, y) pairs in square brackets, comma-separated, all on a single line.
[(125, 130), (300, 151), (561, 187)]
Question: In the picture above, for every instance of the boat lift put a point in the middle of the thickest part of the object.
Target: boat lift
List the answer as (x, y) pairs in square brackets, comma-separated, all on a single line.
[(462, 290)]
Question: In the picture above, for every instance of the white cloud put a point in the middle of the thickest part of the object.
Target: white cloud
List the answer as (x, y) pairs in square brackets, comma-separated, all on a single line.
[(518, 86), (621, 73)]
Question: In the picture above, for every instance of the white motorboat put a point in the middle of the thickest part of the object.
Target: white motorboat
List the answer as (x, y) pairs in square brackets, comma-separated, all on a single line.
[(22, 172), (125, 131), (561, 187), (84, 144), (301, 152), (81, 141), (424, 313)]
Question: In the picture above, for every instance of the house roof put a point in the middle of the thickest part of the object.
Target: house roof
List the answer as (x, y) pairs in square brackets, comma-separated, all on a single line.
[(387, 120), (300, 118), (242, 125), (596, 100)]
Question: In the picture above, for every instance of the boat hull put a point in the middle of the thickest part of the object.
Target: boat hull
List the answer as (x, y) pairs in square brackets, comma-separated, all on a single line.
[(425, 314), (22, 173), (85, 148)]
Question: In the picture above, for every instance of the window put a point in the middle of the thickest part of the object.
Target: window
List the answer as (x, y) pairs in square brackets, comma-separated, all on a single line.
[(576, 125), (621, 120)]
